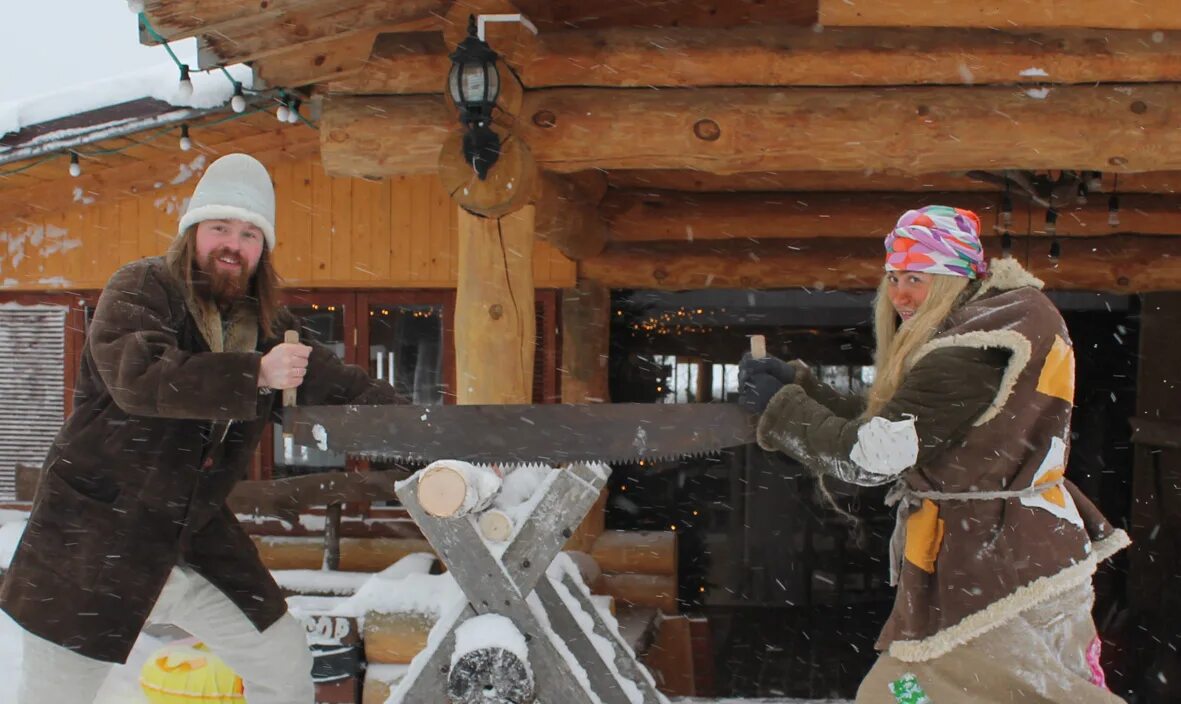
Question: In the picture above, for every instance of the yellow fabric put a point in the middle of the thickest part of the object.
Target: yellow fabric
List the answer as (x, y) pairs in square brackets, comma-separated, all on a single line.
[(924, 536), (1054, 495), (1057, 377), (187, 673)]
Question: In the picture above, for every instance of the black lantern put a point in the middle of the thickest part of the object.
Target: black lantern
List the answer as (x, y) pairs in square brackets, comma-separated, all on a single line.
[(474, 85)]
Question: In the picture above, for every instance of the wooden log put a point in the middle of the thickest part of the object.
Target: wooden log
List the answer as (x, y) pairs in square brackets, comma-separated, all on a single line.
[(567, 217), (646, 216), (763, 55), (655, 590), (408, 62), (395, 638), (451, 488), (671, 657), (374, 555), (851, 264), (286, 498), (357, 554), (495, 525), (910, 130), (856, 181), (508, 186), (641, 552), (652, 216), (1116, 264), (1144, 14), (495, 322), (586, 323), (350, 126)]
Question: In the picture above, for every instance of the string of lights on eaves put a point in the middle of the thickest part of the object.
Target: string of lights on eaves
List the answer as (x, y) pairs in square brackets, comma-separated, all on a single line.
[(288, 111)]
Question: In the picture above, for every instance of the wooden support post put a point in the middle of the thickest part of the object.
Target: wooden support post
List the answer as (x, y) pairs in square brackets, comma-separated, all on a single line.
[(332, 517), (586, 325), (495, 320)]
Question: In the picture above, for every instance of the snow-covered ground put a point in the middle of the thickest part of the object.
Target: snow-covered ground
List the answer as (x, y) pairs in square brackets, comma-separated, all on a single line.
[(417, 591)]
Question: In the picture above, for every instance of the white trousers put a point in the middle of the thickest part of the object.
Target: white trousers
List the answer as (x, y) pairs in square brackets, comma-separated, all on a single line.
[(275, 665)]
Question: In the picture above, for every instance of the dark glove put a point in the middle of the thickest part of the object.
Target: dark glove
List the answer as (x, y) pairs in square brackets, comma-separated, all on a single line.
[(774, 366), (755, 393)]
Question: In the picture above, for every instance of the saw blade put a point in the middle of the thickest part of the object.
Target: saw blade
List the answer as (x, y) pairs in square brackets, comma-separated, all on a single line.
[(550, 434)]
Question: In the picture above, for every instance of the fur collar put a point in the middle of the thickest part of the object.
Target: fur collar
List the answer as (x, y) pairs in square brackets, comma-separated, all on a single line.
[(239, 335), (1006, 274)]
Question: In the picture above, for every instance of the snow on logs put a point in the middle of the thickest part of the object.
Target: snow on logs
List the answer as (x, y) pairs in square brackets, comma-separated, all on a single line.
[(490, 663)]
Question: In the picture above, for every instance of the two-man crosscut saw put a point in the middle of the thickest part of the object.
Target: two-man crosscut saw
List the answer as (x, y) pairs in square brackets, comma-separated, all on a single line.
[(550, 434)]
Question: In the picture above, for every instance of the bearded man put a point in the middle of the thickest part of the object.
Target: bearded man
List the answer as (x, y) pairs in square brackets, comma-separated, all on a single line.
[(183, 362)]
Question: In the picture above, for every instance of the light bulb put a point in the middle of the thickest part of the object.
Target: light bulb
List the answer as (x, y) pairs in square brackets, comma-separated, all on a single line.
[(282, 113), (185, 143), (75, 167), (238, 102), (185, 89), (293, 113)]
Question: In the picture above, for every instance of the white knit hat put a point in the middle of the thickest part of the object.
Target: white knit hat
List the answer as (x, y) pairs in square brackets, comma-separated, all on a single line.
[(235, 187)]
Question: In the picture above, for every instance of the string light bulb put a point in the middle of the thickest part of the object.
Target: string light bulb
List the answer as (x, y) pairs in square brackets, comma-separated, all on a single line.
[(238, 102), (1055, 252), (283, 113), (185, 88), (1051, 221), (185, 143), (1095, 181), (75, 167)]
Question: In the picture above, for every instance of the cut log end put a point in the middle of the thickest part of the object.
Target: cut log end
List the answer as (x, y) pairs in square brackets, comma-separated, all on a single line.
[(442, 491), (490, 676), (496, 525)]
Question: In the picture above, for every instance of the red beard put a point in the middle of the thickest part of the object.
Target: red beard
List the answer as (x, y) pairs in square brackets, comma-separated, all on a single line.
[(221, 286)]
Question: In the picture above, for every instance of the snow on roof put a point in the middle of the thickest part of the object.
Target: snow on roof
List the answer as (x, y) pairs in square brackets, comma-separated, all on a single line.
[(211, 89)]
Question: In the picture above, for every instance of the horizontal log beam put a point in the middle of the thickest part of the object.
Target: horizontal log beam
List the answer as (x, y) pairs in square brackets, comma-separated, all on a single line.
[(1117, 264), (645, 216), (734, 130), (1143, 14), (948, 181), (792, 56)]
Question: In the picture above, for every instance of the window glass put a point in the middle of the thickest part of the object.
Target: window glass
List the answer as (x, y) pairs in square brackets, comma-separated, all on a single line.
[(406, 350)]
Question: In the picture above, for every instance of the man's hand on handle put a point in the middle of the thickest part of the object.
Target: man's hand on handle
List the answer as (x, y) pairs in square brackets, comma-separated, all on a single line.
[(285, 366)]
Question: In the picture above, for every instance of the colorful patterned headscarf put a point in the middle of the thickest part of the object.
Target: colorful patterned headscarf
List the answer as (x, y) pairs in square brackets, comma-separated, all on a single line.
[(937, 239)]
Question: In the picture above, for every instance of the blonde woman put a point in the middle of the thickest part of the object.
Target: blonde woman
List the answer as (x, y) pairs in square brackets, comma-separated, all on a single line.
[(969, 421)]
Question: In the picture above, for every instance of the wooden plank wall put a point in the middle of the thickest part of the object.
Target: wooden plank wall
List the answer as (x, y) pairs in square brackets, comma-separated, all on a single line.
[(332, 233)]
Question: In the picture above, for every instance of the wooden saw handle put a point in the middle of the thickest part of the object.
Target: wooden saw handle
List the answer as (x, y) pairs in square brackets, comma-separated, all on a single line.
[(290, 337), (758, 346)]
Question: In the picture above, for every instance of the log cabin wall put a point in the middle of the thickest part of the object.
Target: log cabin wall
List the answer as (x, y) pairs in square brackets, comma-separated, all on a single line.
[(331, 232)]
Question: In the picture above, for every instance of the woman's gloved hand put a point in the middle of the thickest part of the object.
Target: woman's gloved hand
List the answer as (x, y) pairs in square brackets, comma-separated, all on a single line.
[(755, 392), (777, 368)]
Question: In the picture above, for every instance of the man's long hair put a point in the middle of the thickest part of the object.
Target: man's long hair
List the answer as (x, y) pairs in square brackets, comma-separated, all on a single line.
[(264, 286), (895, 345)]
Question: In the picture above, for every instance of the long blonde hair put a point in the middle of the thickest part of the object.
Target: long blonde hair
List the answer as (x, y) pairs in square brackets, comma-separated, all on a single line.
[(896, 344)]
